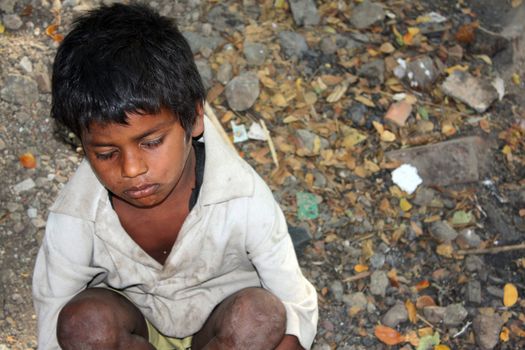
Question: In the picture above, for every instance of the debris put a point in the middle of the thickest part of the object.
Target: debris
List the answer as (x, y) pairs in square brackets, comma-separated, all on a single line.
[(407, 178), (478, 93), (399, 112), (28, 160), (307, 208), (239, 132), (256, 132), (510, 295)]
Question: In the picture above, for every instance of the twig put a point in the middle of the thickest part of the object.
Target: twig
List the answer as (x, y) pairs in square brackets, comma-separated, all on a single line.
[(211, 114), (493, 250), (270, 143), (425, 321), (357, 277), (462, 330)]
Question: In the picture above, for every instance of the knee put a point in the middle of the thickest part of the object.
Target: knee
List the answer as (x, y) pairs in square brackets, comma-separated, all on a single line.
[(88, 320), (258, 314)]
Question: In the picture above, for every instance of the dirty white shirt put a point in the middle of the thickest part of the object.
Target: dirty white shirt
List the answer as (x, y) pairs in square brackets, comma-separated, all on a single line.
[(234, 237)]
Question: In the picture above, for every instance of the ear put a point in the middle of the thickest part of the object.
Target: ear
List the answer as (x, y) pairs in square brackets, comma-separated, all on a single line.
[(198, 127)]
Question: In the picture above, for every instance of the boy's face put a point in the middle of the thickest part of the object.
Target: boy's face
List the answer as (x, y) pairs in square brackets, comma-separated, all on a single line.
[(141, 162)]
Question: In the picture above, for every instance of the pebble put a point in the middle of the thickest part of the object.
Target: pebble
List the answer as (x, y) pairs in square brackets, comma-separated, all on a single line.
[(455, 314), (473, 292), (2, 144), (304, 12), (242, 91), (337, 289), (307, 138), (205, 72), (421, 73), (25, 185), (357, 300), (434, 314), (255, 53), (357, 114), (486, 330), (12, 22), (468, 238), (26, 64), (38, 222), (224, 73), (377, 260), (442, 231), (199, 42), (366, 14), (424, 196), (478, 93), (20, 89), (292, 44), (396, 315), (225, 20), (474, 263), (8, 6), (32, 213), (374, 71), (378, 283)]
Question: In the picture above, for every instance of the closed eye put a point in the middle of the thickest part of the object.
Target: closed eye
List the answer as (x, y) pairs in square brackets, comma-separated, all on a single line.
[(153, 143), (105, 156)]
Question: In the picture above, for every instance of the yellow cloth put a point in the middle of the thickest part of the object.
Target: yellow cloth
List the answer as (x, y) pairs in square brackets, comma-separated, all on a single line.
[(161, 342)]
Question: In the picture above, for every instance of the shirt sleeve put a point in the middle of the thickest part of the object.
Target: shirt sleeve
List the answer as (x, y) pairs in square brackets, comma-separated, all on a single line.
[(271, 251), (61, 271)]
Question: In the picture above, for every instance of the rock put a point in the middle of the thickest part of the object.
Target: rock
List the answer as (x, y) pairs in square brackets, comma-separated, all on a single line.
[(357, 300), (255, 53), (300, 238), (442, 231), (478, 93), (7, 6), (337, 290), (455, 314), (225, 20), (23, 186), (374, 71), (434, 314), (455, 54), (224, 73), (12, 22), (496, 292), (304, 12), (357, 114), (473, 292), (328, 45), (446, 163), (474, 263), (205, 72), (500, 224), (199, 42), (421, 73), (399, 112), (20, 89), (32, 213), (366, 14), (396, 315), (424, 196), (377, 260), (43, 81), (378, 283), (468, 238), (26, 64), (242, 91), (486, 330), (308, 141), (321, 346), (292, 44)]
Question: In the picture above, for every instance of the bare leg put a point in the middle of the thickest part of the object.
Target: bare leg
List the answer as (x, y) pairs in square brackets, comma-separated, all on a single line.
[(250, 319), (101, 319)]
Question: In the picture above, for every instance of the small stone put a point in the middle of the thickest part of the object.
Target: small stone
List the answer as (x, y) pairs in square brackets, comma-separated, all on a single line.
[(455, 53), (468, 239), (424, 196), (199, 42), (292, 44), (26, 64), (32, 213), (455, 314), (474, 263), (7, 6), (434, 314), (255, 53), (205, 72), (496, 292), (487, 329), (242, 91), (374, 71), (38, 222), (12, 22), (442, 231), (357, 300), (478, 93), (43, 82), (337, 290), (396, 315), (399, 112), (328, 45), (357, 113), (304, 12), (377, 260), (225, 20), (20, 89), (473, 292), (224, 73), (2, 144), (25, 185), (308, 141), (421, 73), (378, 283), (366, 14)]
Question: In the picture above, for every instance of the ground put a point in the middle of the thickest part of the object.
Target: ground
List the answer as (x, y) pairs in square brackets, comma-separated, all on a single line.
[(369, 251)]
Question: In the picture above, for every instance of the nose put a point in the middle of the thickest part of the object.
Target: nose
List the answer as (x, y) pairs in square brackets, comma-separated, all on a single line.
[(133, 164)]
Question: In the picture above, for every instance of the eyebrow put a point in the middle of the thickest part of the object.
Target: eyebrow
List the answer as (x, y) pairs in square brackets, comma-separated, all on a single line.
[(138, 137)]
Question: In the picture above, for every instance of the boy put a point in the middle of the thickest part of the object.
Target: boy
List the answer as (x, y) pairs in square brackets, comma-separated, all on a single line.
[(158, 241)]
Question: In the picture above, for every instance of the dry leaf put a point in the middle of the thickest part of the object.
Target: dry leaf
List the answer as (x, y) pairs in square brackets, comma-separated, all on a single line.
[(337, 94), (445, 250), (28, 160), (360, 268), (399, 112), (422, 285), (504, 335), (51, 31), (484, 124), (441, 347), (466, 34), (516, 3), (364, 100), (424, 301), (388, 136), (405, 205), (510, 295), (388, 335), (387, 48), (412, 312), (279, 100)]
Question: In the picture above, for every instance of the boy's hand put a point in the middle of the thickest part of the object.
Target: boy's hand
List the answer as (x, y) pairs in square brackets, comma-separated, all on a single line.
[(289, 342)]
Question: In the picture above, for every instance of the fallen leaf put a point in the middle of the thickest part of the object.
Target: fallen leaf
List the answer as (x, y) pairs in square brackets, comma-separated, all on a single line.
[(388, 335), (412, 338), (424, 301), (399, 112), (411, 310), (516, 3), (388, 136), (428, 341), (484, 58), (51, 31), (364, 100), (466, 33), (387, 48), (445, 250), (516, 79), (360, 268), (457, 67), (28, 160), (441, 347), (337, 94), (504, 334), (484, 124), (405, 205), (353, 137), (422, 285), (510, 295)]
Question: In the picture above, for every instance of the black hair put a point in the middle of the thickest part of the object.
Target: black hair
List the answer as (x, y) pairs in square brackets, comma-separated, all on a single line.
[(122, 59)]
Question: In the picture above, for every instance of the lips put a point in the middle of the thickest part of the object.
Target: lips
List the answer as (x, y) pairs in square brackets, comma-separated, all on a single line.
[(141, 191)]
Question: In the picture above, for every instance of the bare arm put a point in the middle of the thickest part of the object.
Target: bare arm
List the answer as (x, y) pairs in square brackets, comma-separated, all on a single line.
[(289, 342)]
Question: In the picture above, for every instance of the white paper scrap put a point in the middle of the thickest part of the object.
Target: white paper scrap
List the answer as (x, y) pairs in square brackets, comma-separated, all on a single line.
[(239, 132), (406, 178), (256, 132)]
